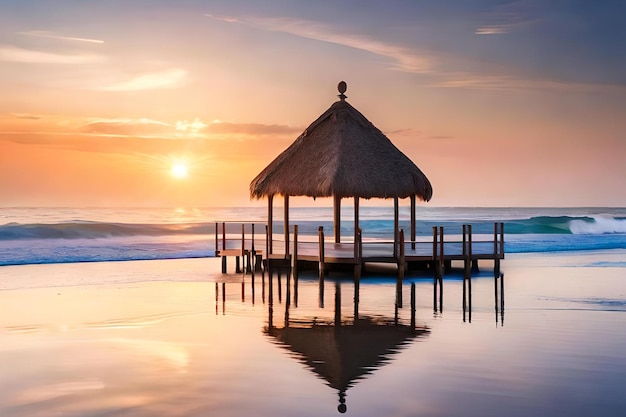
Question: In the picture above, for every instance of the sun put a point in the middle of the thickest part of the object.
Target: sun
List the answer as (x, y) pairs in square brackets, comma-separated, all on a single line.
[(179, 170)]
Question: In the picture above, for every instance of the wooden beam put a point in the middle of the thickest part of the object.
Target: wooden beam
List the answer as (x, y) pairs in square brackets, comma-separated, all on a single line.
[(337, 218)]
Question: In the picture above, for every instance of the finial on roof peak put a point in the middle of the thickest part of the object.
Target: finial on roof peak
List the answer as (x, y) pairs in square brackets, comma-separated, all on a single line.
[(342, 87)]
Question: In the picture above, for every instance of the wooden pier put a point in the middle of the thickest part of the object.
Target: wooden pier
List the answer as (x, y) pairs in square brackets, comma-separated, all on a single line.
[(254, 250)]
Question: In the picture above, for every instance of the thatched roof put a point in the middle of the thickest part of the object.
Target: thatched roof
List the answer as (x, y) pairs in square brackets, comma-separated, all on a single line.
[(342, 154)]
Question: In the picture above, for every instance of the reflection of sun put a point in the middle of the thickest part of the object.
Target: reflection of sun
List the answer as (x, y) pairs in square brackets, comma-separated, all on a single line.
[(179, 170)]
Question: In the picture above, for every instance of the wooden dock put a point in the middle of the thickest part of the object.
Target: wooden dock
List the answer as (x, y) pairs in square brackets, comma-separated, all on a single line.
[(254, 250)]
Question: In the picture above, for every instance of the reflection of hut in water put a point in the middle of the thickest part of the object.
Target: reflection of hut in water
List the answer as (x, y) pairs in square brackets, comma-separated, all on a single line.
[(342, 352)]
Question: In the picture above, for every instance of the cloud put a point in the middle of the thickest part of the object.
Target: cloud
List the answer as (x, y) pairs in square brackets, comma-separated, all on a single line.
[(52, 35), (193, 127), (171, 78), (26, 116), (14, 54), (250, 129), (492, 30), (404, 59), (508, 17), (24, 128), (127, 127), (511, 83)]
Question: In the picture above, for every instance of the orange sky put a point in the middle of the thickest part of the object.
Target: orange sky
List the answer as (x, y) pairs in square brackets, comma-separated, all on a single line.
[(98, 104)]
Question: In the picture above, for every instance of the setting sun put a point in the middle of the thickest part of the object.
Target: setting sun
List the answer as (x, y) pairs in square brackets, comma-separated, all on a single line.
[(179, 170)]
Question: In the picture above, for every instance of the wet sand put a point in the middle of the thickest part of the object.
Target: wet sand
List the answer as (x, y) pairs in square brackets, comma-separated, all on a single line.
[(177, 338)]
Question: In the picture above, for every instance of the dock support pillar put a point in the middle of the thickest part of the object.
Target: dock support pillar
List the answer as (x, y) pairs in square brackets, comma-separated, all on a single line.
[(321, 264)]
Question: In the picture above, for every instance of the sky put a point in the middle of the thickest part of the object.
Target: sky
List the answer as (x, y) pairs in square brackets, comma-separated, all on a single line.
[(158, 103)]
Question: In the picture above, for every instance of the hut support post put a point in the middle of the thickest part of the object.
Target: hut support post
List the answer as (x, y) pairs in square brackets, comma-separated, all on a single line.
[(413, 228), (358, 257), (396, 226), (270, 222), (224, 261), (356, 225), (400, 277), (295, 252), (286, 225), (321, 264), (337, 218)]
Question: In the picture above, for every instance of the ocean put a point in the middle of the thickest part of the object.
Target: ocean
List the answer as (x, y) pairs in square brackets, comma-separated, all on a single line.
[(84, 337), (65, 235)]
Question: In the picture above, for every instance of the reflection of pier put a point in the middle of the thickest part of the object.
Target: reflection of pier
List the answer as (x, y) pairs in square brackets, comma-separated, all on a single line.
[(343, 347)]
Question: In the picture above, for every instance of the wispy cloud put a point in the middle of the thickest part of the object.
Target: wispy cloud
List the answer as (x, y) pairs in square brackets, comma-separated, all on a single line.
[(171, 78), (142, 128), (511, 83), (492, 30), (52, 35), (403, 59), (26, 116), (250, 129), (508, 17), (15, 54), (126, 127)]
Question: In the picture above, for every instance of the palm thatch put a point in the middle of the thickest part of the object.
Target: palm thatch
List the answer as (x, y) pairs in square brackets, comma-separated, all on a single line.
[(342, 154)]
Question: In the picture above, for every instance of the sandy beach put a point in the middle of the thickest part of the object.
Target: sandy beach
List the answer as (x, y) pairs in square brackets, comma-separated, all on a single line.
[(177, 338)]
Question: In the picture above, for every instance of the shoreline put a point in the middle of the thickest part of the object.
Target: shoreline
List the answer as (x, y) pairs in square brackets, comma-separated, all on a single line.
[(208, 269)]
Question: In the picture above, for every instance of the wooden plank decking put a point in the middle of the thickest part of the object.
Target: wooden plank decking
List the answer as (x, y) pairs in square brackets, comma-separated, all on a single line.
[(255, 248)]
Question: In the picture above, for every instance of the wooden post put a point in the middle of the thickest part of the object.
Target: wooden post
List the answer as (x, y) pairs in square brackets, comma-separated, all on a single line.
[(466, 256), (471, 254), (358, 248), (286, 226), (496, 259), (216, 240), (238, 268), (413, 226), (295, 252), (267, 251), (441, 255), (321, 264), (435, 265), (270, 222), (396, 226), (337, 217), (357, 228), (400, 261)]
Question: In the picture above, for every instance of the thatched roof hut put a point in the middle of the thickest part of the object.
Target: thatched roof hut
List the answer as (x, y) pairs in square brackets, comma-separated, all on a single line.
[(342, 154)]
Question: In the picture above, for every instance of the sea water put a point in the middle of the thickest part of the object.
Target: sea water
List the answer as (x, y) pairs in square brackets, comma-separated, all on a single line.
[(175, 337), (61, 235)]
